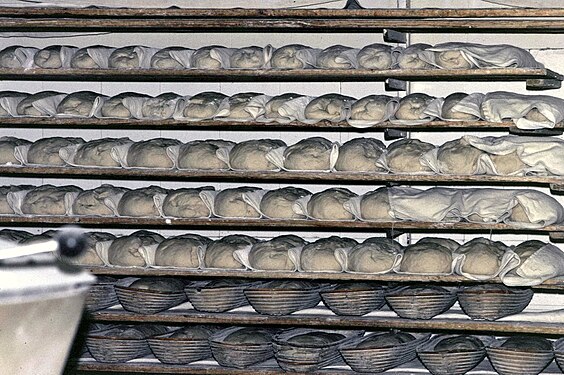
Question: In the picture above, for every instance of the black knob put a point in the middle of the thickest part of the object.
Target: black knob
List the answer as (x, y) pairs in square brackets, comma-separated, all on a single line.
[(71, 243)]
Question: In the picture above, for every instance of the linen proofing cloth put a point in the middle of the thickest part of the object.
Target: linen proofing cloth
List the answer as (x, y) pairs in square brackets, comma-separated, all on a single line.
[(545, 263)]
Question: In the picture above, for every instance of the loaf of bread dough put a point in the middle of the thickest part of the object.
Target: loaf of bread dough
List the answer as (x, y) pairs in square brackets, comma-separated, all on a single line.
[(360, 155), (426, 258), (376, 56), (45, 151), (527, 343), (191, 333), (13, 236), (527, 248), (320, 255), (508, 164), (202, 154), (458, 343), (409, 57), (371, 108), (251, 155), (201, 59), (158, 284), (412, 106), (450, 244), (448, 112), (204, 105), (49, 57), (137, 332), (45, 236), (89, 256), (180, 251), (139, 202), (6, 97), (281, 284), (161, 106), (186, 203), (98, 152), (91, 202), (78, 103), (26, 106), (238, 103), (329, 58), (47, 200), (483, 256), (375, 205), (7, 147), (404, 155), (315, 339), (272, 107), (385, 340), (287, 57), (5, 208), (125, 251), (83, 60), (114, 107), (458, 157), (328, 204), (163, 60), (124, 58), (10, 58), (331, 107), (219, 254), (249, 336), (273, 255), (151, 153), (278, 204), (452, 59), (375, 255), (248, 58), (230, 203), (309, 154)]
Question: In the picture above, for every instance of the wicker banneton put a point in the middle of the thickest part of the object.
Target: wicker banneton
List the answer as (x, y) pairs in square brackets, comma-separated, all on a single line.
[(241, 354), (354, 298), (509, 361), (146, 301), (449, 362), (421, 302), (491, 301), (217, 295), (173, 349), (101, 294)]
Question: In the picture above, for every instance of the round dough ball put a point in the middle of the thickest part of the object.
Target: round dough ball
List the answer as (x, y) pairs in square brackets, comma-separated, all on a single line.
[(272, 107), (78, 104), (426, 258), (403, 156), (508, 164), (251, 155), (163, 60), (452, 245), (7, 148), (158, 284), (331, 107), (47, 200), (281, 284), (519, 214), (309, 154), (328, 204), (249, 336), (230, 203), (385, 340), (151, 153), (82, 59), (412, 106), (360, 155), (9, 58), (375, 205), (186, 203), (278, 204), (409, 57), (48, 58), (287, 57), (161, 106), (194, 333), (458, 157), (452, 59), (137, 332), (328, 58), (448, 112), (315, 339), (201, 59), (375, 56), (45, 236), (89, 256), (238, 104), (273, 255), (26, 106), (114, 106), (371, 108), (247, 58), (5, 208), (124, 58), (374, 255), (528, 343), (125, 251), (535, 115), (180, 251), (139, 202), (219, 254), (98, 152), (204, 105), (45, 151), (458, 343), (528, 248), (91, 202), (202, 154), (10, 95), (483, 257), (320, 255)]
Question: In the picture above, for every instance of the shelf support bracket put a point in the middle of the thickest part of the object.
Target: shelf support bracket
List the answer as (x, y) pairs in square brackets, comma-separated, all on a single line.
[(557, 188), (556, 236), (393, 36), (392, 84), (543, 84), (535, 132), (391, 134), (392, 233)]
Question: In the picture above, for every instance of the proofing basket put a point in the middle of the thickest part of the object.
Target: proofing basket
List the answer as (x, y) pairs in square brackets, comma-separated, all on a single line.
[(355, 302), (455, 362), (493, 303), (412, 303), (508, 361), (216, 299), (278, 301), (179, 351), (144, 301)]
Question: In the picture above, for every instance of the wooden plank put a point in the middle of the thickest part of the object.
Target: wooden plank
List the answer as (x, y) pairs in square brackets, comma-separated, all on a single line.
[(556, 182)]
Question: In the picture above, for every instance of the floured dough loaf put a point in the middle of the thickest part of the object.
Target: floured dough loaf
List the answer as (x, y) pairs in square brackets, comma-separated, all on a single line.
[(45, 151), (47, 200), (114, 107), (45, 236), (403, 156), (452, 245), (202, 154), (272, 107), (508, 164), (320, 255), (278, 204), (328, 58), (458, 157), (7, 147), (286, 57), (89, 256), (124, 58), (204, 105), (309, 154), (98, 152), (249, 336), (238, 103), (409, 57), (452, 59), (180, 251), (10, 95), (9, 58), (139, 202), (201, 59), (158, 284), (426, 258), (273, 255), (78, 103), (5, 208), (360, 155), (328, 204), (161, 106), (412, 106), (251, 155), (186, 203), (291, 285), (483, 257), (163, 60), (385, 340), (219, 254), (151, 153), (528, 248), (48, 58), (373, 255), (194, 333), (331, 107), (448, 112), (125, 251), (230, 203), (375, 205), (528, 343), (248, 58), (458, 343), (535, 115), (371, 108), (91, 202), (26, 107), (315, 339), (13, 236), (137, 332), (375, 56), (82, 59)]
